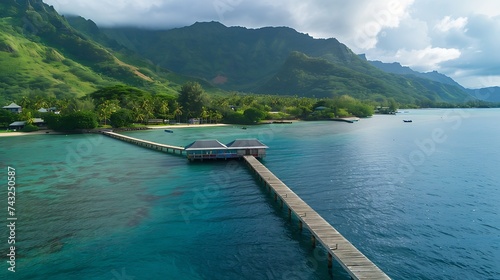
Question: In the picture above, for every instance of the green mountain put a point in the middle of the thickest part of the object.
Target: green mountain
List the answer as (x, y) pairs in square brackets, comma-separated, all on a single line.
[(41, 54), (268, 60), (304, 76), (44, 53), (234, 58), (397, 68), (489, 94)]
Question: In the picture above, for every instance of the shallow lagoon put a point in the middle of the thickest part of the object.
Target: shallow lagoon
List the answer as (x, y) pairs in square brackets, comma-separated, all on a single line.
[(91, 207)]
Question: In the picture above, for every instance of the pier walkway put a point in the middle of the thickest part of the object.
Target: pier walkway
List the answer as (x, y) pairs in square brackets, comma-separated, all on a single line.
[(146, 144), (349, 257)]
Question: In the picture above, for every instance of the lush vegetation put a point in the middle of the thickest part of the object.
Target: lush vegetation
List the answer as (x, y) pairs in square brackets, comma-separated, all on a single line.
[(280, 61), (122, 106), (125, 106), (7, 117), (42, 55), (72, 121), (29, 128), (97, 77), (308, 76)]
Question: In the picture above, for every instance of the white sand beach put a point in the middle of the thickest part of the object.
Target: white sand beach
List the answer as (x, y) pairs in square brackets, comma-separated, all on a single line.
[(186, 125), (9, 134)]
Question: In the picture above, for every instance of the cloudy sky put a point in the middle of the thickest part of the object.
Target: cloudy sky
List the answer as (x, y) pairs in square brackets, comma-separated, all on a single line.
[(457, 38)]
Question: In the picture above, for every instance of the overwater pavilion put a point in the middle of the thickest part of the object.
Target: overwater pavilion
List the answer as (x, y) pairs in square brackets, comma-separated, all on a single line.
[(247, 147), (213, 149), (206, 149)]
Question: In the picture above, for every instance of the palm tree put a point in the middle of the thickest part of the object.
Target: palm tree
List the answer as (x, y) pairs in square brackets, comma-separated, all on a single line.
[(25, 102), (136, 110), (62, 104), (107, 108), (147, 109), (217, 116), (40, 102), (27, 116), (178, 112), (204, 114), (161, 106)]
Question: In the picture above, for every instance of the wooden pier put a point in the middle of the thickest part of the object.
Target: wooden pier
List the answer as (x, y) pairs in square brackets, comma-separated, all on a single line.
[(338, 247), (146, 144), (349, 257)]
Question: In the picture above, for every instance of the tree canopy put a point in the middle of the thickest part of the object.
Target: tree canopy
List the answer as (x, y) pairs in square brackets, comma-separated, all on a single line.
[(192, 98)]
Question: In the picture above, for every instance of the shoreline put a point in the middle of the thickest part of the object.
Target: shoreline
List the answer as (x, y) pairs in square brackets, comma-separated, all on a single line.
[(185, 125), (52, 132), (39, 132)]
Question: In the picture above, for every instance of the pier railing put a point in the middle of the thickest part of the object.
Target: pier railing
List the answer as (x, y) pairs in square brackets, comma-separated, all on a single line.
[(338, 247), (146, 144), (349, 257)]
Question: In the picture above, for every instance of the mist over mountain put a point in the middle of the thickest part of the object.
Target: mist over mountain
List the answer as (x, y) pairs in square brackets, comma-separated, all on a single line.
[(490, 94), (73, 56), (260, 60), (42, 54)]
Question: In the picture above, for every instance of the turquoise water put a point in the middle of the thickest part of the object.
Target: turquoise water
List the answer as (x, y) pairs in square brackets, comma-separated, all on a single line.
[(419, 199)]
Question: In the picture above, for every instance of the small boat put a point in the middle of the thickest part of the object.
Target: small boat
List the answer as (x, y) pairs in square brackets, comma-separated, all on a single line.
[(243, 128), (169, 131), (407, 120)]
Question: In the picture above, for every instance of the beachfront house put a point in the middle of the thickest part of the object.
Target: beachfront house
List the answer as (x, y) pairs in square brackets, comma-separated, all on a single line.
[(49, 110), (18, 125), (157, 121), (246, 147), (194, 121), (206, 149), (13, 107)]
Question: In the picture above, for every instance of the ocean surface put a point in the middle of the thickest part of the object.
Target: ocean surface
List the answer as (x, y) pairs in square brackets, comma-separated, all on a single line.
[(420, 199)]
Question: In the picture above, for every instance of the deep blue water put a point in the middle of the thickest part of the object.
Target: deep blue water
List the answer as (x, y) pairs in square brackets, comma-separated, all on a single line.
[(420, 199)]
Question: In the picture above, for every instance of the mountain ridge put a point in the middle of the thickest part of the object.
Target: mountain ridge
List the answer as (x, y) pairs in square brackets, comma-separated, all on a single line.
[(79, 56), (239, 48), (397, 68), (243, 59), (332, 80)]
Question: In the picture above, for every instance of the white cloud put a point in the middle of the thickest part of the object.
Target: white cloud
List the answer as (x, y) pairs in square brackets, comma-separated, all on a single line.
[(461, 33), (426, 59), (448, 23)]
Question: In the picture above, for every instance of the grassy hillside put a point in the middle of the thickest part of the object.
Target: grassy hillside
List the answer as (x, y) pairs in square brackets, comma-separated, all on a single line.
[(31, 67), (41, 54)]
